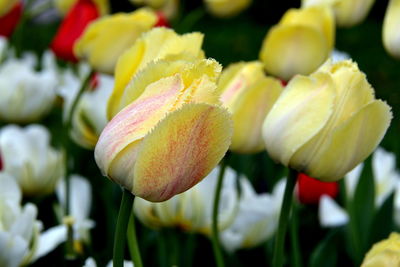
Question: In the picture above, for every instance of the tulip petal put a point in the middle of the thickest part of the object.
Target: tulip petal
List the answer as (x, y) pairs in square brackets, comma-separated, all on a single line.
[(181, 150), (391, 33), (331, 214), (300, 113), (349, 144)]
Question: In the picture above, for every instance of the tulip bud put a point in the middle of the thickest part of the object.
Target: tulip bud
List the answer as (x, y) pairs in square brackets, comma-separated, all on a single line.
[(172, 134), (64, 6), (325, 124), (107, 38), (9, 20), (310, 190), (385, 253), (226, 8), (391, 33), (157, 44), (300, 43), (249, 95)]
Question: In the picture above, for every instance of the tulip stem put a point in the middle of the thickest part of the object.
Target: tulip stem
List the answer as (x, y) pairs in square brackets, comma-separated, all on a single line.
[(125, 211), (277, 260), (132, 242), (215, 233)]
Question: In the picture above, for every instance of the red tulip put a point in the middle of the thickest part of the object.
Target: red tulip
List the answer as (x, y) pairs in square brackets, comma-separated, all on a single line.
[(9, 21), (162, 20), (310, 190), (71, 28)]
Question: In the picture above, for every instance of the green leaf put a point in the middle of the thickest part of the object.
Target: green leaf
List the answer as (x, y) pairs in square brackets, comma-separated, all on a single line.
[(325, 254)]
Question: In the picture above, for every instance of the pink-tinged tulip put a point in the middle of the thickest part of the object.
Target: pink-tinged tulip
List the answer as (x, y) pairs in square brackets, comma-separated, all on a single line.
[(10, 20), (72, 27), (172, 135)]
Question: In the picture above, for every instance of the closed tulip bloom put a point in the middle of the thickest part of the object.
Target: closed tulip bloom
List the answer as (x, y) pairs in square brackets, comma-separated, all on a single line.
[(192, 210), (391, 33), (226, 8), (327, 123), (385, 253), (249, 95), (157, 44), (9, 20), (300, 43), (172, 134), (29, 158), (107, 38), (64, 6)]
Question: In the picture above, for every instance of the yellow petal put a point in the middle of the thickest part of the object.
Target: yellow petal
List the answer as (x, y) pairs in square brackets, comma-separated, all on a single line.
[(6, 6), (352, 12), (289, 49), (248, 114), (391, 32), (300, 113), (226, 8), (181, 150), (347, 145), (385, 253)]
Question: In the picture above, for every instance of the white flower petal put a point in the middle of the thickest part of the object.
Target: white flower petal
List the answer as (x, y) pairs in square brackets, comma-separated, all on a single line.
[(331, 214)]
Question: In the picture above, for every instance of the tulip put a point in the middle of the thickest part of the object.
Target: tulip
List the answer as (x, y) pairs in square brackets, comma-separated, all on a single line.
[(300, 43), (391, 34), (9, 20), (172, 134), (107, 38), (167, 8), (249, 95), (310, 190), (72, 27), (27, 95), (253, 224), (385, 253), (157, 44), (348, 13), (64, 6), (28, 157), (226, 8), (6, 6), (192, 210), (89, 118), (331, 214), (325, 124)]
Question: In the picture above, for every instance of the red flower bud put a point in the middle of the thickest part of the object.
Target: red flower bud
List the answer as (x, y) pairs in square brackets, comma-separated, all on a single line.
[(310, 190), (71, 28), (9, 21), (162, 20)]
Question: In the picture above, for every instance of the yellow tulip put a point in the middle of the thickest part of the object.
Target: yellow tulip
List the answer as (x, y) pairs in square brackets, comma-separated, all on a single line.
[(300, 43), (326, 123), (105, 39), (226, 8), (347, 12), (249, 95), (159, 43), (6, 6), (172, 134), (63, 6), (391, 33), (385, 253), (168, 8)]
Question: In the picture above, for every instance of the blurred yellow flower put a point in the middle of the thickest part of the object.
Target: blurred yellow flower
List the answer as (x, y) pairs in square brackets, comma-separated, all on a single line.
[(348, 13), (300, 43), (169, 8), (391, 26), (249, 95), (172, 134), (385, 253), (105, 39), (63, 6), (327, 123), (226, 8), (159, 43), (6, 5)]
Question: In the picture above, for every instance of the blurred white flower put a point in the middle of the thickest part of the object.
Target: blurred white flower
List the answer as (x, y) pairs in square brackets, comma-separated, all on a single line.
[(90, 114), (330, 213), (91, 263), (254, 223), (192, 210), (27, 155), (19, 228), (26, 95), (337, 56)]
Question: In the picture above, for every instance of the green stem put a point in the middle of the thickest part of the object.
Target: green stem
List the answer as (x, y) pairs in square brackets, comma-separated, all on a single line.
[(277, 260), (121, 230), (215, 234), (133, 243), (294, 237)]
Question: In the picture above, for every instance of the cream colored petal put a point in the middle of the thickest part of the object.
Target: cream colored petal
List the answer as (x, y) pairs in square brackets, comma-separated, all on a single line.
[(226, 8), (351, 12), (181, 150), (391, 33), (300, 113)]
